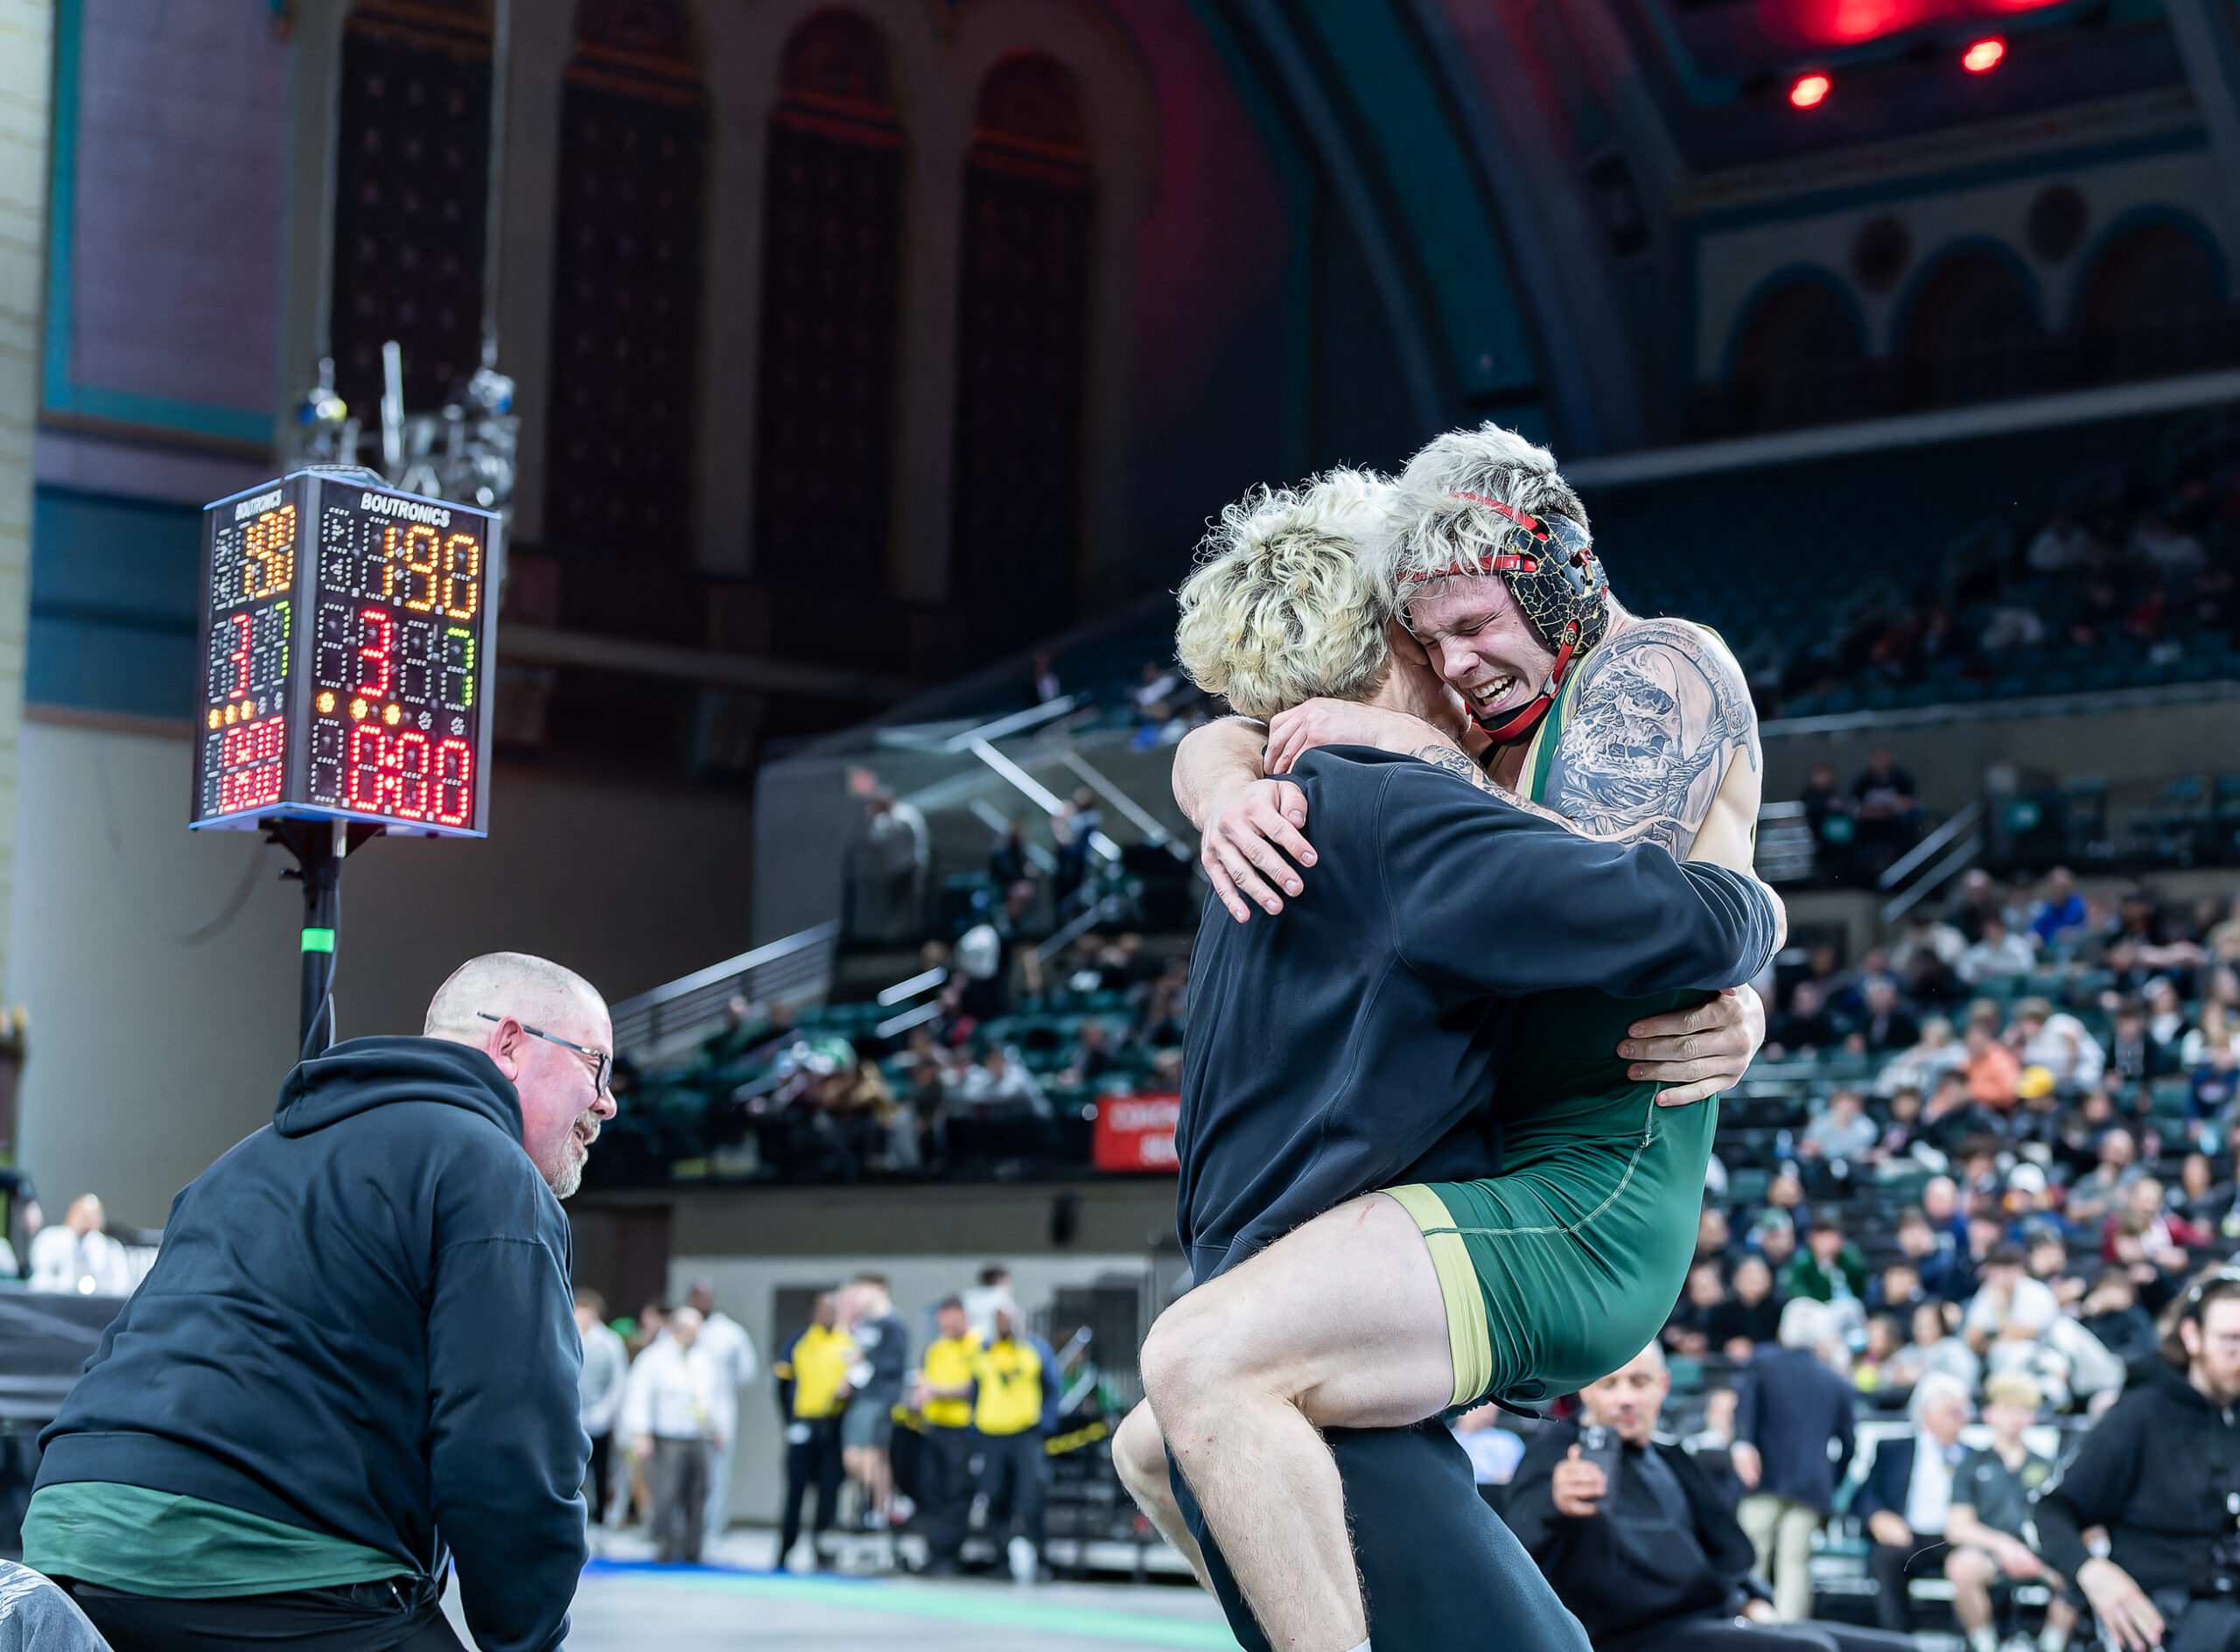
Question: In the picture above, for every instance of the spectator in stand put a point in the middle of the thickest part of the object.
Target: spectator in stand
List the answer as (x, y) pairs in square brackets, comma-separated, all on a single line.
[(1884, 802), (1988, 1523), (2009, 1302), (892, 860), (1918, 1069), (813, 1374), (2210, 1053), (1636, 1539), (1992, 1070), (2056, 1040), (1713, 1235), (1998, 954), (1072, 828), (1774, 1234), (1000, 1084), (1934, 1346), (2134, 1056), (2111, 1311), (1941, 1205), (1821, 799), (1897, 1137), (1898, 1291), (1842, 1130), (1884, 1338), (1830, 1269), (2203, 1199), (1042, 681), (675, 1408), (1906, 1500), (77, 1258), (1008, 862), (1927, 957), (2059, 910), (1805, 1025), (598, 1395), (1955, 1115), (1750, 1315), (1980, 900), (2166, 1021), (2094, 1196), (1689, 1330), (1792, 1408), (1887, 1025)]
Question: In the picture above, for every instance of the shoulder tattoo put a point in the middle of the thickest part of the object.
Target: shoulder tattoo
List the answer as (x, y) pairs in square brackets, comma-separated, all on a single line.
[(1440, 756), (1660, 711)]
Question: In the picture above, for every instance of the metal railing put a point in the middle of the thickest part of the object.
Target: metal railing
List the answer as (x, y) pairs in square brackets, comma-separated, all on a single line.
[(791, 971), (1968, 822)]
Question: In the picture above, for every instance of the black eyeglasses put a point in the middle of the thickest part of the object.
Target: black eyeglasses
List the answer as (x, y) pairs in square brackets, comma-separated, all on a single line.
[(602, 1063)]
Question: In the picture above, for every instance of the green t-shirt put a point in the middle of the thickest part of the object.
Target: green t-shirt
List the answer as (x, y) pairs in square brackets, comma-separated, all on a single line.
[(156, 1543)]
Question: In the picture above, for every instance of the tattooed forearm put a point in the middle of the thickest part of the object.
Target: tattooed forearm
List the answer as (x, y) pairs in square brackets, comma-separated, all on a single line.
[(1446, 757), (1660, 712)]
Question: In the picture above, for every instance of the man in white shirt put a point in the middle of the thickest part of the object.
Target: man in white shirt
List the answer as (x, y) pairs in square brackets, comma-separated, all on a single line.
[(2000, 956), (729, 1351), (1908, 1495), (2056, 1040), (675, 1410), (80, 1259), (599, 1393), (2009, 1304)]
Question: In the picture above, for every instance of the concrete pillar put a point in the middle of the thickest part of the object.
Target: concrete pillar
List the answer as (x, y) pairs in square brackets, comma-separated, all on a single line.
[(26, 95)]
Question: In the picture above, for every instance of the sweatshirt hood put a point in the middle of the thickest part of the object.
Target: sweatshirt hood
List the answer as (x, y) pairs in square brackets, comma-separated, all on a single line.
[(364, 1074)]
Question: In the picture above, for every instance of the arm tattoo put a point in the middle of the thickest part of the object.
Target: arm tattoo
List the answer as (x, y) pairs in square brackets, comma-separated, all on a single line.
[(1662, 710), (1446, 757)]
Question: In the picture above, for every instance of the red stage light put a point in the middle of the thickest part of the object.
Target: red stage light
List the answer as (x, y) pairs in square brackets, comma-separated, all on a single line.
[(1984, 56), (1809, 90)]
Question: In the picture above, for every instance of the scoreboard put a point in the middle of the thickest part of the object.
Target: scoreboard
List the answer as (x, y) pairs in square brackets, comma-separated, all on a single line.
[(348, 634)]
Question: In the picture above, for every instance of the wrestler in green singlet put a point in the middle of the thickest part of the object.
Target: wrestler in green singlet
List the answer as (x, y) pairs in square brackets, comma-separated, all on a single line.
[(1565, 1266)]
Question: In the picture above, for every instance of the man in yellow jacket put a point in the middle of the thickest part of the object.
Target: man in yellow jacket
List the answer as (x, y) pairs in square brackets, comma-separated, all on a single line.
[(1007, 1411), (943, 1397), (812, 1391)]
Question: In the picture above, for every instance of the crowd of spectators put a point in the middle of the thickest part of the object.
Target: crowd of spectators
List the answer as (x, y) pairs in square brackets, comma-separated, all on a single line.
[(2132, 580), (1961, 1184)]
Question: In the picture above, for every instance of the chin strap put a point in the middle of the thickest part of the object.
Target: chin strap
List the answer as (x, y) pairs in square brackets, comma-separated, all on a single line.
[(1520, 722)]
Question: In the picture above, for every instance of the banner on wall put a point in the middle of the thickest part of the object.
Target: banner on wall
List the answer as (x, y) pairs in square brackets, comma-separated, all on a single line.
[(1137, 1132)]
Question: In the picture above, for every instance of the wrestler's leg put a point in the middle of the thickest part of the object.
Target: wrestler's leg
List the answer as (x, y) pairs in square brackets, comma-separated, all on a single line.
[(1341, 1323), (1139, 1452)]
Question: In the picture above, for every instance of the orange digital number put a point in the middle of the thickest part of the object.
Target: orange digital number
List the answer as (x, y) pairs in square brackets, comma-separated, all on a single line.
[(418, 553), (461, 547), (269, 562)]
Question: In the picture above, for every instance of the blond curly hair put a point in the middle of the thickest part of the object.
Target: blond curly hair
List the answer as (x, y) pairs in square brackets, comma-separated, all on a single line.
[(1281, 608)]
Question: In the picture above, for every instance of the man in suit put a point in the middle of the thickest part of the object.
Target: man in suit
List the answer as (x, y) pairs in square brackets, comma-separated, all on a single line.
[(1636, 1540), (1908, 1495), (1792, 1406)]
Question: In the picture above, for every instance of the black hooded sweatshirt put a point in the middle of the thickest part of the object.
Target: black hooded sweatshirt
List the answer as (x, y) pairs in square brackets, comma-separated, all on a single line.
[(2156, 1471), (360, 1323), (1350, 1042)]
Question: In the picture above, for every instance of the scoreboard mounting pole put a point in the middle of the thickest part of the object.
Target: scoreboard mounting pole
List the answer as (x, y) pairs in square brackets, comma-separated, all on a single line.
[(349, 636)]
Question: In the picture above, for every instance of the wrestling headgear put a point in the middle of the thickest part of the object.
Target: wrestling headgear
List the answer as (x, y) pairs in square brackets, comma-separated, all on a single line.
[(1549, 565)]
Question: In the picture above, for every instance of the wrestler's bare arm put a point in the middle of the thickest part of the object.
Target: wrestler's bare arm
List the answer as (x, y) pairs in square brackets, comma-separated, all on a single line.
[(1661, 746)]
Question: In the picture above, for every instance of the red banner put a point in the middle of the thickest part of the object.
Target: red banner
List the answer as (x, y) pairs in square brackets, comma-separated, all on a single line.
[(1137, 1132)]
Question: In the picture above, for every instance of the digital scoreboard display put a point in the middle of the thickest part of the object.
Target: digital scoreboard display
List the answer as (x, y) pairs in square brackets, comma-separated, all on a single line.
[(348, 631)]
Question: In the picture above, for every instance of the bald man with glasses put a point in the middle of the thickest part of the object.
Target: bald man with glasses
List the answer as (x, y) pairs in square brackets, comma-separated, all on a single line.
[(355, 1360)]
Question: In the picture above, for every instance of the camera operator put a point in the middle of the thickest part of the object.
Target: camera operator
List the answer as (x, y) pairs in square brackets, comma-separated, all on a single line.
[(2161, 1472), (1639, 1543)]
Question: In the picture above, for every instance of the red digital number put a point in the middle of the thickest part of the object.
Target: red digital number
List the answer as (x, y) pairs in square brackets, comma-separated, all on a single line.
[(374, 655), (455, 784), (251, 764), (397, 777), (242, 633)]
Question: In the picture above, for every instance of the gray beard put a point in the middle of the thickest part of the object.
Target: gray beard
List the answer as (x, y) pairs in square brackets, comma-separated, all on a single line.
[(569, 1176)]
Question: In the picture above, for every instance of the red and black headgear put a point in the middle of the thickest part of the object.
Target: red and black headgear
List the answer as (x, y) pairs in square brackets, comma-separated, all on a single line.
[(1551, 568)]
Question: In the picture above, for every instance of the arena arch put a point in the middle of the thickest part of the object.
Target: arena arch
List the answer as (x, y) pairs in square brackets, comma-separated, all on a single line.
[(1794, 354), (2153, 300), (1968, 328)]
